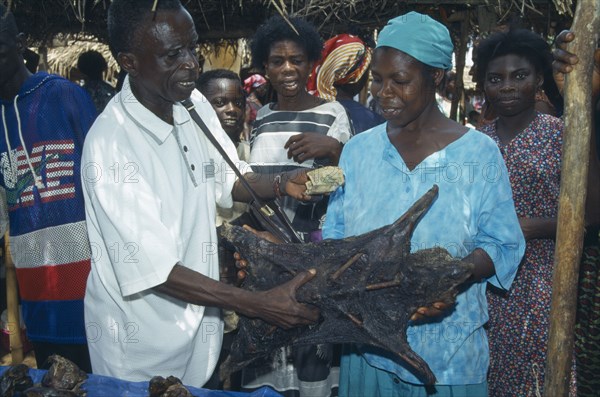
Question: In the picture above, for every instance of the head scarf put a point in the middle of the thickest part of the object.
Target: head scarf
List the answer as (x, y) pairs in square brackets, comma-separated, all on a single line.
[(344, 60), (419, 36), (256, 80)]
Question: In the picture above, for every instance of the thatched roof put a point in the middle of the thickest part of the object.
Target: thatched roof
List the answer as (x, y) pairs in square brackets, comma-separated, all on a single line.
[(62, 55), (233, 19), (225, 21), (62, 59)]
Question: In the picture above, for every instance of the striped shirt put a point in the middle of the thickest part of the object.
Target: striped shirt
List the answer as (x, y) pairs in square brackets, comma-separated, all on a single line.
[(273, 128)]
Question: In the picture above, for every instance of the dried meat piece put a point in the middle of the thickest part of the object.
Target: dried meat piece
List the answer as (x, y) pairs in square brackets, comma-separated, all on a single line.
[(14, 380), (169, 387), (366, 287), (63, 374)]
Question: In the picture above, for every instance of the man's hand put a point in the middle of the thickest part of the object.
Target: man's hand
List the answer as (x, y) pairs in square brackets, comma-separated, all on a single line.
[(268, 185), (295, 184), (564, 61), (280, 307), (308, 146)]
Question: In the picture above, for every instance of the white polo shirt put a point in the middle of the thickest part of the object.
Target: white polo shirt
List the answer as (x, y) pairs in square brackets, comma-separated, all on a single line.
[(151, 191)]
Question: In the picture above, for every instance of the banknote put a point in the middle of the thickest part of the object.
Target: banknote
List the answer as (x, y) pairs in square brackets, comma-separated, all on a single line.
[(324, 180)]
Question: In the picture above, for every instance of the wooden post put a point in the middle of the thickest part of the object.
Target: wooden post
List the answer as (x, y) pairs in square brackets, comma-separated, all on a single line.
[(571, 207), (12, 304), (458, 99)]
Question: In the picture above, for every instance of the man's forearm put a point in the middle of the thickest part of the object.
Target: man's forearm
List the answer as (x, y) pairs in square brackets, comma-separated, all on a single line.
[(261, 183), (265, 185), (190, 286), (277, 306)]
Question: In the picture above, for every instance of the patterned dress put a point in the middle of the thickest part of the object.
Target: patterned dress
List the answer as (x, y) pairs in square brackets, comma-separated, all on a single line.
[(519, 319), (587, 327)]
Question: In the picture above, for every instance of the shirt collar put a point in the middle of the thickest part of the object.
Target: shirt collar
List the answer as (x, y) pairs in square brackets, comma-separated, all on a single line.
[(148, 121)]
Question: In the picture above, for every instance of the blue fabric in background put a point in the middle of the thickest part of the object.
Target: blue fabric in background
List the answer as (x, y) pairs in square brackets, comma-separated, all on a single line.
[(105, 386)]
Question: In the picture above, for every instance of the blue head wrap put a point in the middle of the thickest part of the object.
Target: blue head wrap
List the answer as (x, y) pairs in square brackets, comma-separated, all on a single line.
[(419, 36)]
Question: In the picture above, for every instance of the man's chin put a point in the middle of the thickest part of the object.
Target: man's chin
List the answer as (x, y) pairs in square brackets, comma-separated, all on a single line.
[(183, 93), (180, 97)]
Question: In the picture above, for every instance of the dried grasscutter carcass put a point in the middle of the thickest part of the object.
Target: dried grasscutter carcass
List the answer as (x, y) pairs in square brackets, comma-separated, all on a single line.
[(51, 392), (366, 287), (63, 379), (170, 386), (63, 374), (14, 380)]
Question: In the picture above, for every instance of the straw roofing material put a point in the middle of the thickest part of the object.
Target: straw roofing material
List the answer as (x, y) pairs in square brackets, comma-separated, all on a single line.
[(64, 58), (234, 19)]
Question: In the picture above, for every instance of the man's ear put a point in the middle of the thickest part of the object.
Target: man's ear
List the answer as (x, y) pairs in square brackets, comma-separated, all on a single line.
[(128, 62), (21, 42)]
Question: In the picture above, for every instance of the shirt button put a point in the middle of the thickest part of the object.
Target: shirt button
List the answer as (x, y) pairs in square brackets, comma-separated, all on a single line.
[(396, 380), (185, 149), (193, 167), (407, 189)]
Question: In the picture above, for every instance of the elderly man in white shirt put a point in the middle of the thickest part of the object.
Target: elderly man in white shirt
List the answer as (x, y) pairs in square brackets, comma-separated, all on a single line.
[(152, 182)]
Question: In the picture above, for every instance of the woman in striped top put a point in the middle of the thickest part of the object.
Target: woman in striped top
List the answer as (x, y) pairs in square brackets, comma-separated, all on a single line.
[(297, 130)]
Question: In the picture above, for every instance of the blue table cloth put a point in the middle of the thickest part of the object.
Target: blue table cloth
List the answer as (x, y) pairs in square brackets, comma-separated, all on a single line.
[(105, 386)]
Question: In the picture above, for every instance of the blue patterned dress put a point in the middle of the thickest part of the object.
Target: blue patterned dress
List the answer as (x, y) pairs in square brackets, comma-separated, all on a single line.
[(474, 209)]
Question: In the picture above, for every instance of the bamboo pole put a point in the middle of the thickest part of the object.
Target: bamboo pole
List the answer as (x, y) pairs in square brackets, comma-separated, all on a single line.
[(571, 207), (12, 304)]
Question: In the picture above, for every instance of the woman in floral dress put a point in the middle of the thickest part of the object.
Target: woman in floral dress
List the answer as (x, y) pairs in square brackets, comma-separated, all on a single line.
[(511, 70)]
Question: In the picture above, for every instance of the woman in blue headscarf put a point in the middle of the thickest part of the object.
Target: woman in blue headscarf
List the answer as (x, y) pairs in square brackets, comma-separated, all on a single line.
[(386, 170)]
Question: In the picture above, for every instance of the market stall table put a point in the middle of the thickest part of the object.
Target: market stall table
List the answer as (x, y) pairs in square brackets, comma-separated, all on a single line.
[(105, 386)]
